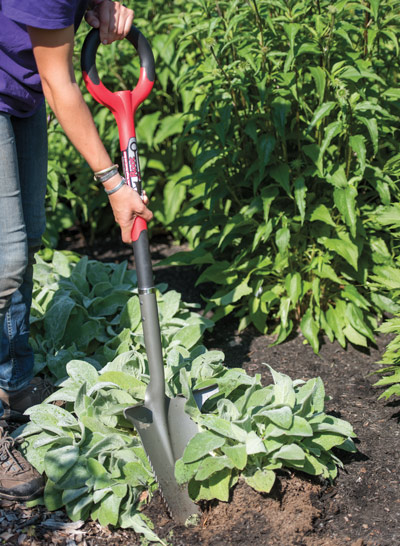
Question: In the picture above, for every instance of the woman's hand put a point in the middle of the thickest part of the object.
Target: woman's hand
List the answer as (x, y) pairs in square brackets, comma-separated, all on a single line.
[(113, 20), (126, 205)]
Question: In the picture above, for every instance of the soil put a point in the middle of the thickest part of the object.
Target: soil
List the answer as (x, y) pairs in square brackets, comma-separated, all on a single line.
[(362, 507)]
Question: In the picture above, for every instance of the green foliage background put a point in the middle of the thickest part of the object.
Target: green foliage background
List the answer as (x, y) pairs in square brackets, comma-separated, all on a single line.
[(271, 144)]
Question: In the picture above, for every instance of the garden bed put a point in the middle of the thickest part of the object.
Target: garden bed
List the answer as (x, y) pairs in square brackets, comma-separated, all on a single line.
[(362, 507)]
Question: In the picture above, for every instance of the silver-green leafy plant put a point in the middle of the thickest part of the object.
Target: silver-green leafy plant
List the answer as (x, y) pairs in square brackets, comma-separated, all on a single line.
[(95, 464), (85, 309), (91, 455)]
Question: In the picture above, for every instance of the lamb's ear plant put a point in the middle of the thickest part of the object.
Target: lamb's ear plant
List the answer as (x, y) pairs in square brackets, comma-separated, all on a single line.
[(96, 466), (88, 310)]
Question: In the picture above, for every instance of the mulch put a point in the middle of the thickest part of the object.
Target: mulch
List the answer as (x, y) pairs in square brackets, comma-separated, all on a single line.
[(361, 508)]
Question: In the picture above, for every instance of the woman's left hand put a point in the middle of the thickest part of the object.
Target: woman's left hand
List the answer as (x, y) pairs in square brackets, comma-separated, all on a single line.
[(113, 20)]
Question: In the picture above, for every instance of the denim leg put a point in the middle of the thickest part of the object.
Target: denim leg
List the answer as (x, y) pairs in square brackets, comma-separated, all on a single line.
[(23, 174)]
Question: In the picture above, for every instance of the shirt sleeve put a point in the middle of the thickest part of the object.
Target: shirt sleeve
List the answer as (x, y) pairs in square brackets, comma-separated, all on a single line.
[(47, 14)]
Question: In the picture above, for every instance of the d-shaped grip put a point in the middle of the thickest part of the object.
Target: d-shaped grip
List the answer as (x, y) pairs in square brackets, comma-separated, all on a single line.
[(92, 42)]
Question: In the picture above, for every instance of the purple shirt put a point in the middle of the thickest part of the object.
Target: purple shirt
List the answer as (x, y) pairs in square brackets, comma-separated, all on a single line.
[(20, 88)]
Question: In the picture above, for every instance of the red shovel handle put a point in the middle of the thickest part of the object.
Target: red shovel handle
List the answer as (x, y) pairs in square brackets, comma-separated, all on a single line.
[(123, 104)]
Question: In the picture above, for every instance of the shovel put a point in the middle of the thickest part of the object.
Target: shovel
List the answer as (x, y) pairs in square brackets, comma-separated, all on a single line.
[(162, 423)]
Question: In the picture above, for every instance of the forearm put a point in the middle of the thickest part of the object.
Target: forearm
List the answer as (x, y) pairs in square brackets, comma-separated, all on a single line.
[(74, 116)]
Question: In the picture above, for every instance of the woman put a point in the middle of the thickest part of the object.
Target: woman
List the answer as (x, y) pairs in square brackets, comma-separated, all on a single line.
[(36, 46)]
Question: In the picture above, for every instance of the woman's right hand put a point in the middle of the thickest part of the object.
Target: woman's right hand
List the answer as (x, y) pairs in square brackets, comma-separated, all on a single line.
[(126, 204)]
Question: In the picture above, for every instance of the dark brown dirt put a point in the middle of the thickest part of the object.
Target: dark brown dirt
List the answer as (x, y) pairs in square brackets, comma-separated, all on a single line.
[(362, 507)]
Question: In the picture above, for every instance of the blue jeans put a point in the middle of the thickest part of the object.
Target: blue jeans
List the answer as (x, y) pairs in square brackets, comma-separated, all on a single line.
[(23, 176)]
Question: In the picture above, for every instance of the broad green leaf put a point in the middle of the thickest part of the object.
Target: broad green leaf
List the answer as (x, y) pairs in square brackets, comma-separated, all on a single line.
[(261, 480), (290, 452), (52, 496), (321, 213), (254, 444), (202, 444), (282, 417), (237, 455), (210, 465), (59, 460), (281, 175), (82, 372), (125, 381), (344, 248), (216, 487)]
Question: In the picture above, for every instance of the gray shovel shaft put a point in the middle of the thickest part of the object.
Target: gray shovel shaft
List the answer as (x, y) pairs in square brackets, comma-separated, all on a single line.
[(152, 339)]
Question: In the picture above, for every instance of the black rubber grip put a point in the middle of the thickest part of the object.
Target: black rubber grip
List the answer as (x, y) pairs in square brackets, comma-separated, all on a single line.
[(92, 42), (143, 265)]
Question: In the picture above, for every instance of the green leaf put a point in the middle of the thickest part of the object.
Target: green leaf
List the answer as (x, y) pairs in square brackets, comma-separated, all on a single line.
[(52, 496), (109, 510), (125, 381), (216, 487), (290, 452), (320, 113), (321, 213), (344, 248), (310, 330), (345, 200), (59, 460), (357, 143), (82, 372), (237, 455), (200, 445), (300, 191), (210, 465), (282, 417), (319, 76), (261, 480), (281, 174)]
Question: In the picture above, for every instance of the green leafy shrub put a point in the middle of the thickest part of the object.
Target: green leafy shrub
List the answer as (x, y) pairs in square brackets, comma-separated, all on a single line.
[(85, 309), (294, 131), (390, 360)]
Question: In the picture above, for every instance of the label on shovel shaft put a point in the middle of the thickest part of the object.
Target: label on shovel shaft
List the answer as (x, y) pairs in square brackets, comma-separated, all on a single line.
[(131, 166)]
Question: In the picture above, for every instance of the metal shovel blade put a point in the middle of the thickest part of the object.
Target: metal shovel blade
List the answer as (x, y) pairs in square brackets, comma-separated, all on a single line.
[(164, 444)]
